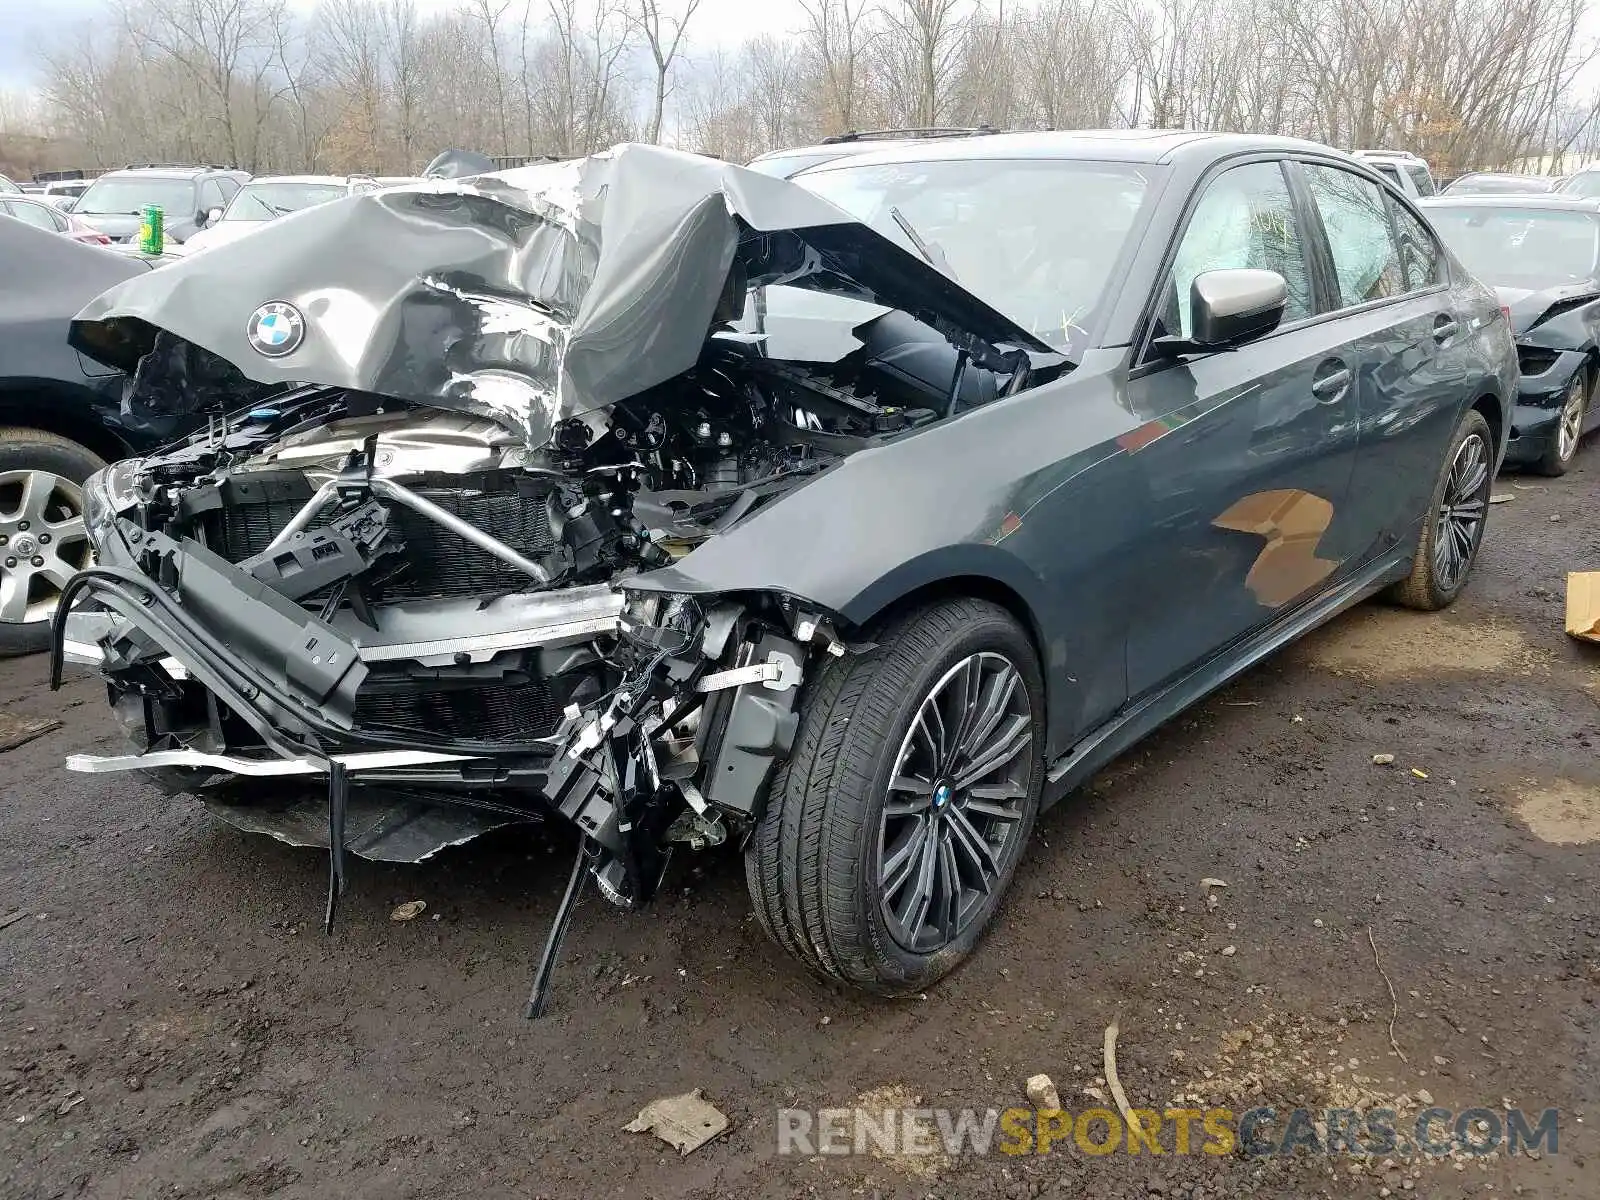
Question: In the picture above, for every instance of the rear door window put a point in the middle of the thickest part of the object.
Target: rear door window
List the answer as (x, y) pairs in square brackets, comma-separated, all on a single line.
[(34, 214), (1421, 258), (1355, 218)]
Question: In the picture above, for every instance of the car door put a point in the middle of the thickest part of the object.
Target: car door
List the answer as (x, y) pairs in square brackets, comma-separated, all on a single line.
[(1252, 464), (39, 215), (1411, 349)]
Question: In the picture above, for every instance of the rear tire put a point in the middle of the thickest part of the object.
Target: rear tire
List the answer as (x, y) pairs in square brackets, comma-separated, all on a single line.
[(1452, 528), (41, 513), (866, 799), (1569, 426)]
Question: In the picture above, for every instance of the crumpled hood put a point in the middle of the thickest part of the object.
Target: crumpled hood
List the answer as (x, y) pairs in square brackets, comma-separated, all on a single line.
[(1528, 306), (528, 296)]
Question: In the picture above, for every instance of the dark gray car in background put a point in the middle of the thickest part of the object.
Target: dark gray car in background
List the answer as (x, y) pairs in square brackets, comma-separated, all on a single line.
[(850, 520), (1541, 254)]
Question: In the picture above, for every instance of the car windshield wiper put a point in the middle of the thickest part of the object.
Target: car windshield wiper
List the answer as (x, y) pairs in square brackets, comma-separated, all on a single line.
[(922, 246)]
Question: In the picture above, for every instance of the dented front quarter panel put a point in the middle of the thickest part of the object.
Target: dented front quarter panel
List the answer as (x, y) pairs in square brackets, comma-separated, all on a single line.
[(1019, 495)]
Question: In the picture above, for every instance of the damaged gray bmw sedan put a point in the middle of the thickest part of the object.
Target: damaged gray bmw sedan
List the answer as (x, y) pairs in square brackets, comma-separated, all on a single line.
[(848, 520)]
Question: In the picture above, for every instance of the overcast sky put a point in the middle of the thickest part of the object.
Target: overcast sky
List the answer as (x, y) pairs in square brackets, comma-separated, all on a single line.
[(25, 25)]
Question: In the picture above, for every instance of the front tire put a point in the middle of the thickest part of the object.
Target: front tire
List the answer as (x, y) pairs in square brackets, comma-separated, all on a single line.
[(42, 538), (1569, 427), (892, 832), (1452, 529)]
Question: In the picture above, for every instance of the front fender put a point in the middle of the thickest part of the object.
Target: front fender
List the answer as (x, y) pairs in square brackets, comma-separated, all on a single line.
[(1022, 496)]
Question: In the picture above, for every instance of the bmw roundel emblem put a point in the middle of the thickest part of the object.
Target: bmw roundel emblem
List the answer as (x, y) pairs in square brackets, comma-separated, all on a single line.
[(276, 329)]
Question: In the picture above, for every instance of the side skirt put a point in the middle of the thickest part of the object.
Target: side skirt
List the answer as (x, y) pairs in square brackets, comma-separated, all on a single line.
[(1127, 727)]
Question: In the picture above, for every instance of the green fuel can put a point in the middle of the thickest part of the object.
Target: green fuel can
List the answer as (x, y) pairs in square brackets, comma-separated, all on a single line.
[(152, 230)]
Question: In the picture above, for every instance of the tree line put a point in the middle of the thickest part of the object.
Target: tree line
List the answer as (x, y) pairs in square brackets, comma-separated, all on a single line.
[(372, 85)]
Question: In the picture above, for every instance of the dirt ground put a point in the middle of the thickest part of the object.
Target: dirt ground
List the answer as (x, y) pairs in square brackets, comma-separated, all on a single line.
[(174, 1023)]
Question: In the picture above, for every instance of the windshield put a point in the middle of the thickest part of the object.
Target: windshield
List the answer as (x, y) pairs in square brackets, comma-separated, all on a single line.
[(1037, 239), (1512, 247), (128, 194), (1586, 183), (263, 201)]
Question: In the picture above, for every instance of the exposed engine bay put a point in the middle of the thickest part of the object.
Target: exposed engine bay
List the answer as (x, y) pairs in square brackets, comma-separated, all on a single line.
[(437, 610)]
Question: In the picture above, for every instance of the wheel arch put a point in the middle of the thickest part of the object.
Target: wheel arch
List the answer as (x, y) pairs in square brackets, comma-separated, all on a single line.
[(62, 409), (981, 572), (1492, 409)]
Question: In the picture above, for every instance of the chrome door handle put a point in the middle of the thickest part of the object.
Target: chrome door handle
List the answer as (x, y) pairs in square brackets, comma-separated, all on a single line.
[(1331, 383), (1445, 327)]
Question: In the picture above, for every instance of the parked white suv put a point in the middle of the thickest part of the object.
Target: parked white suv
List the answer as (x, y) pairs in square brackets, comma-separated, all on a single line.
[(1402, 168)]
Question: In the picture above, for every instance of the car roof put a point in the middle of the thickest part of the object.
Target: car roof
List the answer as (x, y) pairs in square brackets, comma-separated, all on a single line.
[(155, 173), (342, 180), (174, 171), (1154, 146), (1554, 201), (858, 141)]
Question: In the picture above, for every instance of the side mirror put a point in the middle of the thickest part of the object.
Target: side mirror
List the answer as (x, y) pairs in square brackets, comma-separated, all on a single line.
[(1235, 306), (68, 204), (213, 215), (1230, 307)]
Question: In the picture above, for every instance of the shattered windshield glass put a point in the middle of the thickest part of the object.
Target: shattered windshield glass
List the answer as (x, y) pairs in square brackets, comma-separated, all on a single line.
[(1038, 239)]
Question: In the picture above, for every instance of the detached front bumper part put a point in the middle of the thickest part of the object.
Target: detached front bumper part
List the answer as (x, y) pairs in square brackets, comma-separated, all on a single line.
[(693, 700)]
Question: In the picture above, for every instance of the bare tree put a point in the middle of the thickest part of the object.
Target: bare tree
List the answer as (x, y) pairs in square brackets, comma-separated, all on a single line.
[(664, 36), (774, 73), (918, 55), (491, 13), (837, 39), (350, 48), (384, 83), (402, 50)]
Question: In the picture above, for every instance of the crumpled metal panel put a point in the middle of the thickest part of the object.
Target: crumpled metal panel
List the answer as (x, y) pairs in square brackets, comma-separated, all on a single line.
[(528, 296)]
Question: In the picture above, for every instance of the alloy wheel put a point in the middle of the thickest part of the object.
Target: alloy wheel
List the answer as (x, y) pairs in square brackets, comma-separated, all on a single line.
[(42, 543), (956, 802), (1459, 523), (1570, 426)]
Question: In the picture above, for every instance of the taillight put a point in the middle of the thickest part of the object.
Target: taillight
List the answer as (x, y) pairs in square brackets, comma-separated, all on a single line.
[(1506, 313)]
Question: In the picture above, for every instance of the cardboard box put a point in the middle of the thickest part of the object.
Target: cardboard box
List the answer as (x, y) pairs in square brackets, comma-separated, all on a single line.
[(1583, 605)]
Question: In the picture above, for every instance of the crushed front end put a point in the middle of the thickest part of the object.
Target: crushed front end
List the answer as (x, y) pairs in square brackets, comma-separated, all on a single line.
[(415, 597)]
